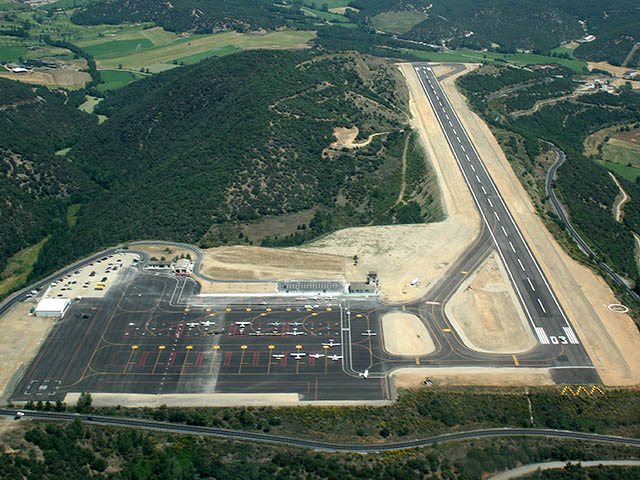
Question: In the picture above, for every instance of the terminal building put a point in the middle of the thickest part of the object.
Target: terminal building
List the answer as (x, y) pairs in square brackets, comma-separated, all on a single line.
[(182, 267), (52, 307)]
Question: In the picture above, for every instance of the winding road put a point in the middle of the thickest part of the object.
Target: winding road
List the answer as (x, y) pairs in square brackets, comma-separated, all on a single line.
[(326, 446)]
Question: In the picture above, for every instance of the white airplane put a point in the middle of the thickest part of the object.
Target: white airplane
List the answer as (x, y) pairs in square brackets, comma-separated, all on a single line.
[(364, 374), (295, 324), (317, 355), (207, 323), (334, 357), (275, 324), (298, 355), (331, 343), (369, 333), (257, 333), (415, 282), (243, 324), (295, 332), (279, 356), (193, 324)]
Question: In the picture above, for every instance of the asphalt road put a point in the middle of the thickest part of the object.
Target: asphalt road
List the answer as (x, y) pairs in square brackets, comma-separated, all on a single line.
[(536, 296), (326, 446)]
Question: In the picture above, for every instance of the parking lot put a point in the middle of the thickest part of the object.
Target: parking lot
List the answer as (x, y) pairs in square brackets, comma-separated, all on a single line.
[(86, 281)]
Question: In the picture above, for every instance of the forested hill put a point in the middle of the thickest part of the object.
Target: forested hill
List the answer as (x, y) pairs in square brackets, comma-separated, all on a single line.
[(201, 16), (36, 185), (195, 152), (537, 25)]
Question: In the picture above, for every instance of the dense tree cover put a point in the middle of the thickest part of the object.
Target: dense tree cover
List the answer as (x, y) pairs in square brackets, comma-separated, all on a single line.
[(200, 16), (52, 451), (35, 184), (506, 25), (232, 140), (584, 186), (573, 471)]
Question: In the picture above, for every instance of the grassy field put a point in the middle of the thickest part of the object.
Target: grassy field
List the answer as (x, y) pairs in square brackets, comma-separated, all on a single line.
[(11, 54), (18, 269), (621, 152), (118, 48), (398, 22), (216, 52), (90, 104), (630, 173), (198, 44), (328, 16), (8, 5), (113, 79), (471, 56)]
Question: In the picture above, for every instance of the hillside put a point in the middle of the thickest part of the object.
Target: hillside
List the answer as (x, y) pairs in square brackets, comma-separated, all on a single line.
[(201, 153), (505, 25), (200, 16), (36, 186)]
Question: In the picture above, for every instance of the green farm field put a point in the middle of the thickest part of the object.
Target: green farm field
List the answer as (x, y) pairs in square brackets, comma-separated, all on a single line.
[(328, 16), (113, 79), (398, 22), (330, 3), (199, 44), (216, 52), (621, 152), (471, 56), (630, 173)]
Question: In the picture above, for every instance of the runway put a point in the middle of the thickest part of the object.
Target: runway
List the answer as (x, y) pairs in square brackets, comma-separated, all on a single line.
[(547, 319)]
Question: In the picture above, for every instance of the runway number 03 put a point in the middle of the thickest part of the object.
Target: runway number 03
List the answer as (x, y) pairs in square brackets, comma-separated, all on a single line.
[(559, 339)]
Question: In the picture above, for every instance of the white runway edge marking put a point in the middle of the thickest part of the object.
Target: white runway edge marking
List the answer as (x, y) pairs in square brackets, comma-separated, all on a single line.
[(531, 284), (521, 265), (541, 306), (512, 247), (490, 202), (570, 335), (483, 190), (496, 216), (504, 231), (542, 336)]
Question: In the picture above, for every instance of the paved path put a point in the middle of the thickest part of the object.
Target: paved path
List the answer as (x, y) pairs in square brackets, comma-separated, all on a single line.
[(531, 468)]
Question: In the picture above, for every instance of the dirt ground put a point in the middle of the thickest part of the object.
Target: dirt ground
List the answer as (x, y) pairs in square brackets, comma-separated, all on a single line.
[(257, 263), (487, 315), (23, 334), (159, 251), (218, 288), (607, 67), (414, 377), (346, 137), (405, 334), (62, 78), (611, 339), (400, 253)]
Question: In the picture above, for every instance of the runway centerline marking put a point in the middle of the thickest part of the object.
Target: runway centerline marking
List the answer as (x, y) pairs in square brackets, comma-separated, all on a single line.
[(521, 265), (504, 231), (531, 284), (542, 306), (512, 247)]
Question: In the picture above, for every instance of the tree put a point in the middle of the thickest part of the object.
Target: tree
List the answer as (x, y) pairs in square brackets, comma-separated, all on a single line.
[(84, 403)]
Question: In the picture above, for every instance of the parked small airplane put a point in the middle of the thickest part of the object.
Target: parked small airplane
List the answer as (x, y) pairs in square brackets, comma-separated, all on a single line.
[(298, 355), (193, 324), (295, 332), (294, 324), (317, 355), (243, 324), (256, 333), (331, 343), (415, 282), (207, 323), (275, 324), (369, 333), (334, 357), (279, 356), (364, 374)]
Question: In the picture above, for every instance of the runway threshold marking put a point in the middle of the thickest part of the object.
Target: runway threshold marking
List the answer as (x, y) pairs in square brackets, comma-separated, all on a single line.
[(515, 360)]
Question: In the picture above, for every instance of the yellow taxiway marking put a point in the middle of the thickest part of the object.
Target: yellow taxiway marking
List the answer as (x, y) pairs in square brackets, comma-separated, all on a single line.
[(187, 309), (268, 309), (417, 361), (248, 309), (288, 309), (403, 308), (359, 315), (243, 348), (126, 365), (228, 309), (207, 309), (155, 365), (212, 314), (328, 309), (213, 360), (446, 329), (515, 360), (464, 272)]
